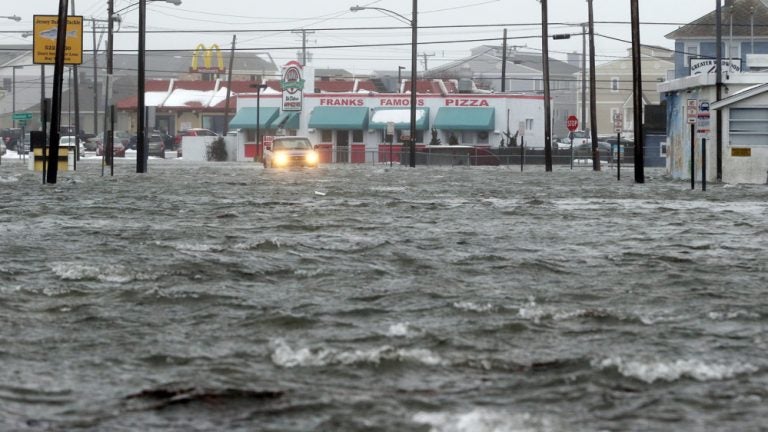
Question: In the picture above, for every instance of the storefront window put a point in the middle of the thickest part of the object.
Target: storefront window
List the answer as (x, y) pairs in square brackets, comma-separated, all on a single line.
[(467, 138), (482, 137), (357, 136), (401, 133), (326, 135), (214, 123)]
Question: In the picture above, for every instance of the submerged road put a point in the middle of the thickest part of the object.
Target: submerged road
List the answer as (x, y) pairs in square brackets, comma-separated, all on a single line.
[(222, 296)]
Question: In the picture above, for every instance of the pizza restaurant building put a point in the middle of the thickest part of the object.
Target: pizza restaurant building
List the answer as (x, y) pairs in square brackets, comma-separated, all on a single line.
[(352, 127)]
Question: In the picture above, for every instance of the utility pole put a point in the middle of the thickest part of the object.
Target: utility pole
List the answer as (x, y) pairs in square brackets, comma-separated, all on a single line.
[(108, 137), (304, 34), (229, 84), (583, 75), (545, 71), (592, 92), (58, 74), (76, 88), (718, 89), (637, 92), (504, 62), (425, 55), (95, 81)]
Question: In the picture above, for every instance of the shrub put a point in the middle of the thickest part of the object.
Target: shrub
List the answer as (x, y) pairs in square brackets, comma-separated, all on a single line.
[(217, 150)]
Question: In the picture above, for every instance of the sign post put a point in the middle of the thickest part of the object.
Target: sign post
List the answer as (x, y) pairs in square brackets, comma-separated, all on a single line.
[(692, 114), (391, 136), (618, 126), (521, 133), (572, 123)]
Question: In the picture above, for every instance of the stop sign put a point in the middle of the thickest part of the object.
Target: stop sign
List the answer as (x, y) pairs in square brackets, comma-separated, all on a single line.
[(572, 123)]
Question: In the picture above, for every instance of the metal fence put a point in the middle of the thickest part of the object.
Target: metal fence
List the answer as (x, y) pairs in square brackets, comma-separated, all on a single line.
[(510, 156)]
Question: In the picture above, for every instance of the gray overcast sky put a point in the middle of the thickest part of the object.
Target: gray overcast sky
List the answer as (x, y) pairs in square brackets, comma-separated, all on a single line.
[(522, 18)]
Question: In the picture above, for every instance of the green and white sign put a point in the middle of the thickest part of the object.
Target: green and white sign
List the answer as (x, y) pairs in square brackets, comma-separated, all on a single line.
[(22, 116)]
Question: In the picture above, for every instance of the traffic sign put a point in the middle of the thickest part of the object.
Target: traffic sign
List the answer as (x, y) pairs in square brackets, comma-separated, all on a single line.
[(618, 122), (22, 116), (692, 110), (572, 123)]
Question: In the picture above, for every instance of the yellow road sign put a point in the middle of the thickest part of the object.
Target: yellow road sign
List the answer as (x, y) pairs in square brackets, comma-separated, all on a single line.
[(44, 43)]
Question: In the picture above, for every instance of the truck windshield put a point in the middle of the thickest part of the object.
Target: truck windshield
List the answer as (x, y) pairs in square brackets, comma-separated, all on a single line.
[(297, 144)]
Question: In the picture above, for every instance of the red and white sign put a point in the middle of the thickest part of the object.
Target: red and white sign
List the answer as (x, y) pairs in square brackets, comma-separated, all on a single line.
[(692, 110), (618, 122), (572, 123)]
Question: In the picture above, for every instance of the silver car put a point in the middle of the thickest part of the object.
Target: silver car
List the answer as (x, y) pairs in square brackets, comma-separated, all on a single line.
[(156, 146)]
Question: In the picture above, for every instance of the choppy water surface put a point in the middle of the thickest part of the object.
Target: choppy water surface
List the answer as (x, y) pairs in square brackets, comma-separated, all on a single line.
[(362, 298)]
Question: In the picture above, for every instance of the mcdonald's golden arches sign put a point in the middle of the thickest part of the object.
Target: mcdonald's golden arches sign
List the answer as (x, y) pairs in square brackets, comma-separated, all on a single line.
[(207, 55)]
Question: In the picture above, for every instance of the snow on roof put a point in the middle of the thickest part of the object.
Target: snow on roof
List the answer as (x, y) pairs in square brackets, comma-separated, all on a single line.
[(395, 115), (154, 98), (182, 97)]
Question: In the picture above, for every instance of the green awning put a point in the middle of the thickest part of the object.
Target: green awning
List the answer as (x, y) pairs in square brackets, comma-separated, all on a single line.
[(401, 117), (286, 120), (325, 117), (246, 118), (465, 119)]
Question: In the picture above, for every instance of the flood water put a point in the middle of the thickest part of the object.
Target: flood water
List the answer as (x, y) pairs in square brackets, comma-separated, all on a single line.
[(222, 296)]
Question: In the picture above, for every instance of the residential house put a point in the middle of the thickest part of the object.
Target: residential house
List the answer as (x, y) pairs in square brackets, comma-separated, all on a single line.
[(614, 93)]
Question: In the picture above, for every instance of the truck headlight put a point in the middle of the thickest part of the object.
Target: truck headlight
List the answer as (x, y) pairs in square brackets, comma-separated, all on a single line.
[(281, 159), (312, 158)]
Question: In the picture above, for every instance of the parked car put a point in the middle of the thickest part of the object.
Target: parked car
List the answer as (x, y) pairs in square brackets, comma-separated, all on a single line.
[(155, 145), (192, 132), (10, 137), (586, 148), (69, 142), (579, 137), (290, 151), (118, 149)]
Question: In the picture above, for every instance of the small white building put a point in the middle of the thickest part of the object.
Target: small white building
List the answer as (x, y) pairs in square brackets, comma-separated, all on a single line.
[(745, 124), (351, 127), (744, 154)]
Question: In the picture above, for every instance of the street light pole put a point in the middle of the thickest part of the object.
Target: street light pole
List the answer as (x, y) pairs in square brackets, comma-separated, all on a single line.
[(141, 132), (259, 87), (413, 22), (12, 17), (13, 90)]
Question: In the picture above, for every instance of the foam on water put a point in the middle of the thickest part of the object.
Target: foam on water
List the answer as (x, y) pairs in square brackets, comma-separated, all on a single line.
[(655, 370), (484, 420), (285, 356), (107, 273), (474, 307), (398, 330)]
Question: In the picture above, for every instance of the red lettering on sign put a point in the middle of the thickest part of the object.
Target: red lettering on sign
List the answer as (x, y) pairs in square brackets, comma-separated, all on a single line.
[(466, 102)]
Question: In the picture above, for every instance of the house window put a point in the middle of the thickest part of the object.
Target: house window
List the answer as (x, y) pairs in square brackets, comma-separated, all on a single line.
[(467, 137), (614, 85), (8, 84), (748, 127)]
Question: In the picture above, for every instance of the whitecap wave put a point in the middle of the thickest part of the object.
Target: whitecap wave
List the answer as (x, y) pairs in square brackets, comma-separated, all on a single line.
[(732, 315), (474, 307), (107, 273), (286, 356), (398, 330), (485, 420), (651, 371)]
